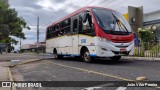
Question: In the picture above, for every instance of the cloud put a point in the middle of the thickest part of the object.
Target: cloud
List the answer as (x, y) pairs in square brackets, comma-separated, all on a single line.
[(51, 5), (48, 12)]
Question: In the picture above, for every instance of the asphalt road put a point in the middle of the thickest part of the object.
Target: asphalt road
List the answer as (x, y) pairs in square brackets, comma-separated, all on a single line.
[(70, 69)]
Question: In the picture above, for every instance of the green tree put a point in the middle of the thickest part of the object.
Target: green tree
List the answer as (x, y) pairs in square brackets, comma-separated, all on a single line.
[(10, 24), (147, 37)]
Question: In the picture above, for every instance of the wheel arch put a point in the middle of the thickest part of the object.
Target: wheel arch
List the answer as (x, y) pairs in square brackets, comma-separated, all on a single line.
[(82, 50), (54, 50)]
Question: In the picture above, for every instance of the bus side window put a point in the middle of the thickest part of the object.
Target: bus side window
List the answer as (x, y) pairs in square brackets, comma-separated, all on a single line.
[(87, 21), (47, 33), (56, 30), (86, 25), (80, 24), (54, 33), (61, 28), (50, 32), (69, 25), (66, 26), (75, 25)]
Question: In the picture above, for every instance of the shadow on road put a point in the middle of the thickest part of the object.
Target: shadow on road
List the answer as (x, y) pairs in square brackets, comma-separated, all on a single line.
[(102, 61), (107, 61)]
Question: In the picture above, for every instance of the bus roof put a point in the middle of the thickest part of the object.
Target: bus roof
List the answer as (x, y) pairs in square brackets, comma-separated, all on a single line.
[(75, 12)]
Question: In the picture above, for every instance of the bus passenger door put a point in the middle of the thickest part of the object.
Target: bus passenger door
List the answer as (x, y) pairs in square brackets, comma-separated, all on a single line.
[(75, 35)]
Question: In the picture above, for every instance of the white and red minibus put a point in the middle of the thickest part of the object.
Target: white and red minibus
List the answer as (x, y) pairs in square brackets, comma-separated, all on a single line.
[(90, 32)]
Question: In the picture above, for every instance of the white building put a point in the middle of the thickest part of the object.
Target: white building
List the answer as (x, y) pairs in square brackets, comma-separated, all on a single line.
[(153, 19)]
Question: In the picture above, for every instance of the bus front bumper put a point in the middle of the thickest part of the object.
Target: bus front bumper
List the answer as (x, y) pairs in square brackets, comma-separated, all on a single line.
[(112, 50)]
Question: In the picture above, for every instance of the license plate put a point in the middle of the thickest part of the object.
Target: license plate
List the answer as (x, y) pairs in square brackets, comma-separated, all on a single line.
[(123, 50)]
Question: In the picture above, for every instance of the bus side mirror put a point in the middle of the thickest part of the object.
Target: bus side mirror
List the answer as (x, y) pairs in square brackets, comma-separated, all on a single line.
[(84, 17)]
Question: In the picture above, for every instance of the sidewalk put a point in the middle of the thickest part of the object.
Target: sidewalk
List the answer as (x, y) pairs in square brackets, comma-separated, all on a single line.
[(4, 74), (20, 56)]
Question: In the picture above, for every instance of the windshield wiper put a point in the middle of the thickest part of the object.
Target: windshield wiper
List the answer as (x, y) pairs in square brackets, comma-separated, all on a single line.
[(119, 21)]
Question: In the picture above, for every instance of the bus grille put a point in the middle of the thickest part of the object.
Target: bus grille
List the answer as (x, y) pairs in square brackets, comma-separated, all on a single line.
[(121, 53)]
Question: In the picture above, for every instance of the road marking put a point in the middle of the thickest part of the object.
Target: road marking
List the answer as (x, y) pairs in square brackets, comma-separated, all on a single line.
[(158, 87), (89, 71), (10, 74), (103, 74), (10, 77), (121, 88), (81, 69), (91, 88)]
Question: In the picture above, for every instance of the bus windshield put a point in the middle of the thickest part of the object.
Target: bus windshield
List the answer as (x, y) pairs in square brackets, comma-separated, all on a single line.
[(112, 22)]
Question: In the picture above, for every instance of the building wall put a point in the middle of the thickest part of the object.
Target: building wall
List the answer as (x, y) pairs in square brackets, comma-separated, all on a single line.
[(153, 19), (152, 16)]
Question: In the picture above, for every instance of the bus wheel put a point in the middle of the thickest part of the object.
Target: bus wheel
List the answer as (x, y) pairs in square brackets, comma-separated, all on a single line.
[(55, 54), (60, 57), (86, 56), (77, 57), (116, 58)]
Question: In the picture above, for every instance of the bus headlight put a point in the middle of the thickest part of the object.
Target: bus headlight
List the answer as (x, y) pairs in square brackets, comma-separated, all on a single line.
[(103, 39), (100, 39)]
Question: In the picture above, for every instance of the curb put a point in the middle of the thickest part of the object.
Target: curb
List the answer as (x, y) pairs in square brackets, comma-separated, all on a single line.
[(26, 62), (29, 61), (141, 58)]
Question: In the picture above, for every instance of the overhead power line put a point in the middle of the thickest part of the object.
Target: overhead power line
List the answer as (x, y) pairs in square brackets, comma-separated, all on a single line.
[(29, 23), (100, 1), (119, 4), (88, 3), (109, 2)]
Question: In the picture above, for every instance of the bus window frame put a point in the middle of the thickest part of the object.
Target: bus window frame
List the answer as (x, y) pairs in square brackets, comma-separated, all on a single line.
[(72, 23), (60, 26), (66, 27), (82, 15)]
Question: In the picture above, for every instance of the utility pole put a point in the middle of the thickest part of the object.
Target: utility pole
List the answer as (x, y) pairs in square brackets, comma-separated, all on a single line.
[(37, 35), (20, 45)]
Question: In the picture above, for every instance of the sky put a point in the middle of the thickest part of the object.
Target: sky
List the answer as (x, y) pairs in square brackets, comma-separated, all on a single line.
[(52, 10)]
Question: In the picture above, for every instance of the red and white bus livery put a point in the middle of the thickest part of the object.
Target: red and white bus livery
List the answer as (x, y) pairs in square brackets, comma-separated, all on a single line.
[(90, 32)]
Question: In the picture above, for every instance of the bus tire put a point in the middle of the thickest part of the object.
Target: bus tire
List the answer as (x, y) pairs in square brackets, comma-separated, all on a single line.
[(116, 58), (60, 57), (56, 54), (86, 56), (78, 58)]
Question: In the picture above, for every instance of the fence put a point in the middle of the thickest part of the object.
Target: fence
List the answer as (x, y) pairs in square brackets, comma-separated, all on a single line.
[(147, 50)]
